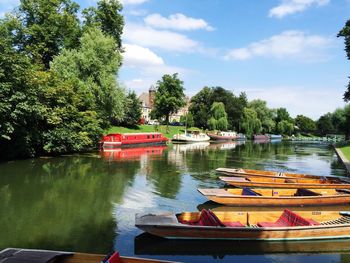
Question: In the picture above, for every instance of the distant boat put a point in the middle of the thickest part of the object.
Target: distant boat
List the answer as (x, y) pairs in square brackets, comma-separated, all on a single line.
[(125, 139), (191, 136), (275, 137), (261, 137), (223, 136), (36, 255), (240, 137)]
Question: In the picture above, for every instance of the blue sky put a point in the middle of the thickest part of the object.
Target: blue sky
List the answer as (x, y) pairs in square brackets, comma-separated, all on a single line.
[(283, 51)]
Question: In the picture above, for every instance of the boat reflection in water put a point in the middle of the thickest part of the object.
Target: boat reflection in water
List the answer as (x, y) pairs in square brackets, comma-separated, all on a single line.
[(132, 153), (224, 145), (183, 147), (146, 244)]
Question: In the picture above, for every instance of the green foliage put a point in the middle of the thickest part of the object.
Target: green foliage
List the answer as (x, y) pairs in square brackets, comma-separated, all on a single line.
[(250, 122), (218, 118), (264, 114), (57, 87), (107, 17), (47, 27), (169, 97), (92, 68), (345, 32), (202, 101), (305, 124), (325, 125), (285, 127), (187, 120), (133, 111)]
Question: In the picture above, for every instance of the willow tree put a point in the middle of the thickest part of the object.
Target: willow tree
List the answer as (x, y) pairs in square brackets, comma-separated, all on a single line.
[(218, 119)]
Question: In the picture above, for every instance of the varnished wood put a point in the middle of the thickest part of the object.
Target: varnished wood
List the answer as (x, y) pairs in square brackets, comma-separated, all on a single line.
[(275, 197), (282, 183), (169, 227), (240, 172)]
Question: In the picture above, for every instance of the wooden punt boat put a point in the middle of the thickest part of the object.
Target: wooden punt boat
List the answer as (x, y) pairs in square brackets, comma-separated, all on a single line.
[(262, 226), (284, 183), (16, 255), (276, 197), (240, 172)]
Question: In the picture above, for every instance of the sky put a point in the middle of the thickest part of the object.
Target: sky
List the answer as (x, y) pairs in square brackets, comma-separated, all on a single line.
[(285, 52)]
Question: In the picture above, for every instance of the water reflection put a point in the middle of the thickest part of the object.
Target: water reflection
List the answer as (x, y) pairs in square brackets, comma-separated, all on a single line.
[(88, 202), (146, 244)]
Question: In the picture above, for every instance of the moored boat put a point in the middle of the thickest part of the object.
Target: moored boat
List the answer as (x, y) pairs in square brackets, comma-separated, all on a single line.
[(270, 226), (261, 137), (285, 183), (240, 137), (276, 197), (39, 256), (191, 136), (275, 136), (125, 139), (223, 136), (241, 172)]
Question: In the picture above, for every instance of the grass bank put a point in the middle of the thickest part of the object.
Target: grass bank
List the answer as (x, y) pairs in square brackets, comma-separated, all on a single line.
[(149, 128), (345, 150)]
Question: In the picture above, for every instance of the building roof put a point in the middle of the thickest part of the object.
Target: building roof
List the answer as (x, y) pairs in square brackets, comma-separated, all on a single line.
[(144, 98)]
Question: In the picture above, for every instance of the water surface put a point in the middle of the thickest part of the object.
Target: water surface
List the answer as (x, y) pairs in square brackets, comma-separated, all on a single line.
[(88, 202)]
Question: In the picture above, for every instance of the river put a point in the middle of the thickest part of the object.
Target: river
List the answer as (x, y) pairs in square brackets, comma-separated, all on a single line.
[(88, 202)]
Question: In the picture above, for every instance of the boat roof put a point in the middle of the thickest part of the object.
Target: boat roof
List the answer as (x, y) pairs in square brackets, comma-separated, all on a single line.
[(135, 133)]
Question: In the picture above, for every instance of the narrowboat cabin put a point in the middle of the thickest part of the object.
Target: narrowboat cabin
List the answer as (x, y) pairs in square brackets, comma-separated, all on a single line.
[(127, 139)]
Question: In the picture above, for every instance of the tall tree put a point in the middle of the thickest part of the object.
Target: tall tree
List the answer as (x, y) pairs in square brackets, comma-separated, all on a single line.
[(47, 27), (133, 110), (345, 32), (200, 107), (250, 122), (218, 118), (305, 124), (169, 97), (107, 17), (264, 114)]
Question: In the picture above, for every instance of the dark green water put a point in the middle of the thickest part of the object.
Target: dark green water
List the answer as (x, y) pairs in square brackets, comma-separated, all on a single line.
[(88, 202)]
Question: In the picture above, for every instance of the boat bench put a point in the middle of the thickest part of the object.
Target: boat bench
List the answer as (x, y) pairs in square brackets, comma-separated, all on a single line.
[(287, 219)]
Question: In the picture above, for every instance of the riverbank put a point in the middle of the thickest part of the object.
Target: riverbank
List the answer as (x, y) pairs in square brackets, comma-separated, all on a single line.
[(343, 153), (149, 128)]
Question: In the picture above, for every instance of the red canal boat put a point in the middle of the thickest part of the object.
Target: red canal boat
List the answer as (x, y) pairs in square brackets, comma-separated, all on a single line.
[(127, 139)]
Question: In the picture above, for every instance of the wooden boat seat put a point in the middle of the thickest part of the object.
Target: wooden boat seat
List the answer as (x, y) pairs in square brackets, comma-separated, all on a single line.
[(208, 218), (306, 192), (248, 191), (287, 219)]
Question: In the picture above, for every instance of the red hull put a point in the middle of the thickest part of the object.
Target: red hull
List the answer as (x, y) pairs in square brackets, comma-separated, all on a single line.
[(119, 139)]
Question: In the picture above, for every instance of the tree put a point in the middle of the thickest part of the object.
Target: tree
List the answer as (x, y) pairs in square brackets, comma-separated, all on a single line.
[(264, 114), (282, 115), (250, 122), (133, 111), (325, 125), (169, 97), (285, 127), (200, 107), (218, 118), (107, 17), (305, 124), (187, 120), (46, 28), (92, 68), (345, 32)]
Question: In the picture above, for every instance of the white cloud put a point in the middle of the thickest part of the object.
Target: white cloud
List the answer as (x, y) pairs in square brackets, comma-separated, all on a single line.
[(288, 44), (177, 22), (288, 7), (133, 2), (139, 56), (300, 99), (167, 40)]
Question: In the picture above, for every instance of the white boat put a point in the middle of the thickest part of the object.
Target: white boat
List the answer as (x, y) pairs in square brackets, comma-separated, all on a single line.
[(192, 136)]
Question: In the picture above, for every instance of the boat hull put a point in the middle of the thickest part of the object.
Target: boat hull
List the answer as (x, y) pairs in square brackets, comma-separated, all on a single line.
[(237, 181), (167, 226), (237, 200), (216, 137)]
